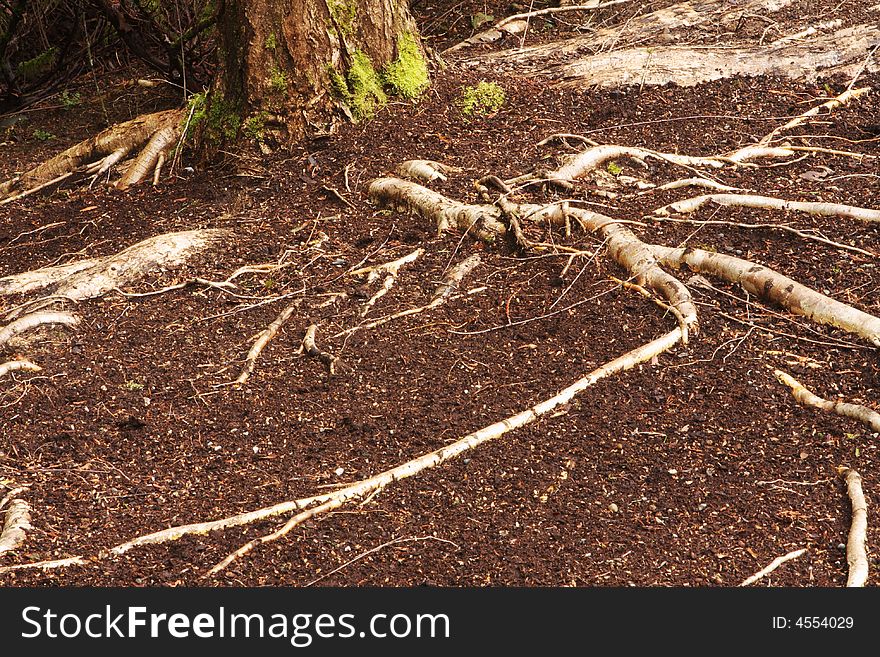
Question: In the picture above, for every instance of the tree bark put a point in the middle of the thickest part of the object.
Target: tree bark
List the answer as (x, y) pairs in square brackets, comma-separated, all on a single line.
[(288, 63)]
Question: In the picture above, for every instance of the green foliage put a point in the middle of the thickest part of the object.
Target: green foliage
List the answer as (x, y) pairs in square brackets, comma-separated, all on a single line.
[(43, 135), (271, 42), (482, 100), (69, 100), (614, 169), (407, 76), (360, 88), (277, 79), (133, 386), (33, 68), (216, 118), (254, 127)]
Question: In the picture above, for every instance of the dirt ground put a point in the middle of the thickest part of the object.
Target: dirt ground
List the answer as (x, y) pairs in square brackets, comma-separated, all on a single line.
[(695, 470)]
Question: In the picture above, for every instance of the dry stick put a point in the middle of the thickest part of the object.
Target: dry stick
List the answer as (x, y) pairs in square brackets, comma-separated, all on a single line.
[(18, 364), (377, 483), (32, 190), (692, 204), (856, 555), (262, 340), (33, 320), (18, 521), (391, 270), (788, 229), (778, 561), (855, 411), (441, 295), (312, 350)]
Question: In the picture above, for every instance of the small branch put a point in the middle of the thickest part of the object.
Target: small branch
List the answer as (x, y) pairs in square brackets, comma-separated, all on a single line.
[(856, 555), (778, 561), (855, 411), (262, 340)]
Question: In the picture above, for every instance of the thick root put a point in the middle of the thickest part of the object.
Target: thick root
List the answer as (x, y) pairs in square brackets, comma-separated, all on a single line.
[(855, 411), (103, 150), (856, 555), (688, 205), (768, 284)]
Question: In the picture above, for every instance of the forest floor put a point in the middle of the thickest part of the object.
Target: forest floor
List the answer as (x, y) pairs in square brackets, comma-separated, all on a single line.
[(697, 469)]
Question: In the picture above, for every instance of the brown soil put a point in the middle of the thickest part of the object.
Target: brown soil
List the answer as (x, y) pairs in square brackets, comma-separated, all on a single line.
[(697, 470)]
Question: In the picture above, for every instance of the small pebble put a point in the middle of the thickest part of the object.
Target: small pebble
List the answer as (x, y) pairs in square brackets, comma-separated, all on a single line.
[(613, 508)]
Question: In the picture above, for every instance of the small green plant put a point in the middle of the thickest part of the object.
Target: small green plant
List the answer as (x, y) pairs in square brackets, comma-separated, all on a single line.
[(69, 100), (133, 386), (43, 135), (614, 169), (277, 79), (269, 284), (254, 128), (484, 99), (271, 42)]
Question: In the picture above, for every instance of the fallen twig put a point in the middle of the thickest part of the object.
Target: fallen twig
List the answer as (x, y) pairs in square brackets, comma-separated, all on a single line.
[(312, 350), (262, 340)]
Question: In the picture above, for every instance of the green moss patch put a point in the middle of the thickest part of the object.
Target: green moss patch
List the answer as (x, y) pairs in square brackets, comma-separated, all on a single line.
[(407, 76)]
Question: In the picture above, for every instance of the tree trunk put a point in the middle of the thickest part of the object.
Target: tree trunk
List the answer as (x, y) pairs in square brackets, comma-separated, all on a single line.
[(289, 66)]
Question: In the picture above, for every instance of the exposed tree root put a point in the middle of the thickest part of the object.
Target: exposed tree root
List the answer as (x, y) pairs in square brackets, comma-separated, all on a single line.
[(692, 182), (482, 220), (262, 340), (96, 277), (18, 521), (854, 411), (95, 155), (773, 565), (688, 205), (18, 364), (389, 270), (532, 60), (820, 55), (856, 555), (373, 485), (449, 284), (831, 105), (768, 284), (33, 320), (425, 170), (313, 351)]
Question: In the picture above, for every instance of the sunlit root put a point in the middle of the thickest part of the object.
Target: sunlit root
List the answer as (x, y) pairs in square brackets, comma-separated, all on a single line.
[(18, 364), (773, 565), (33, 320), (389, 270), (96, 277), (481, 220), (311, 349), (151, 157), (856, 555), (592, 158), (262, 340), (694, 203), (374, 485), (831, 105), (854, 411), (692, 182), (99, 152), (447, 286), (18, 521), (768, 284), (425, 170)]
